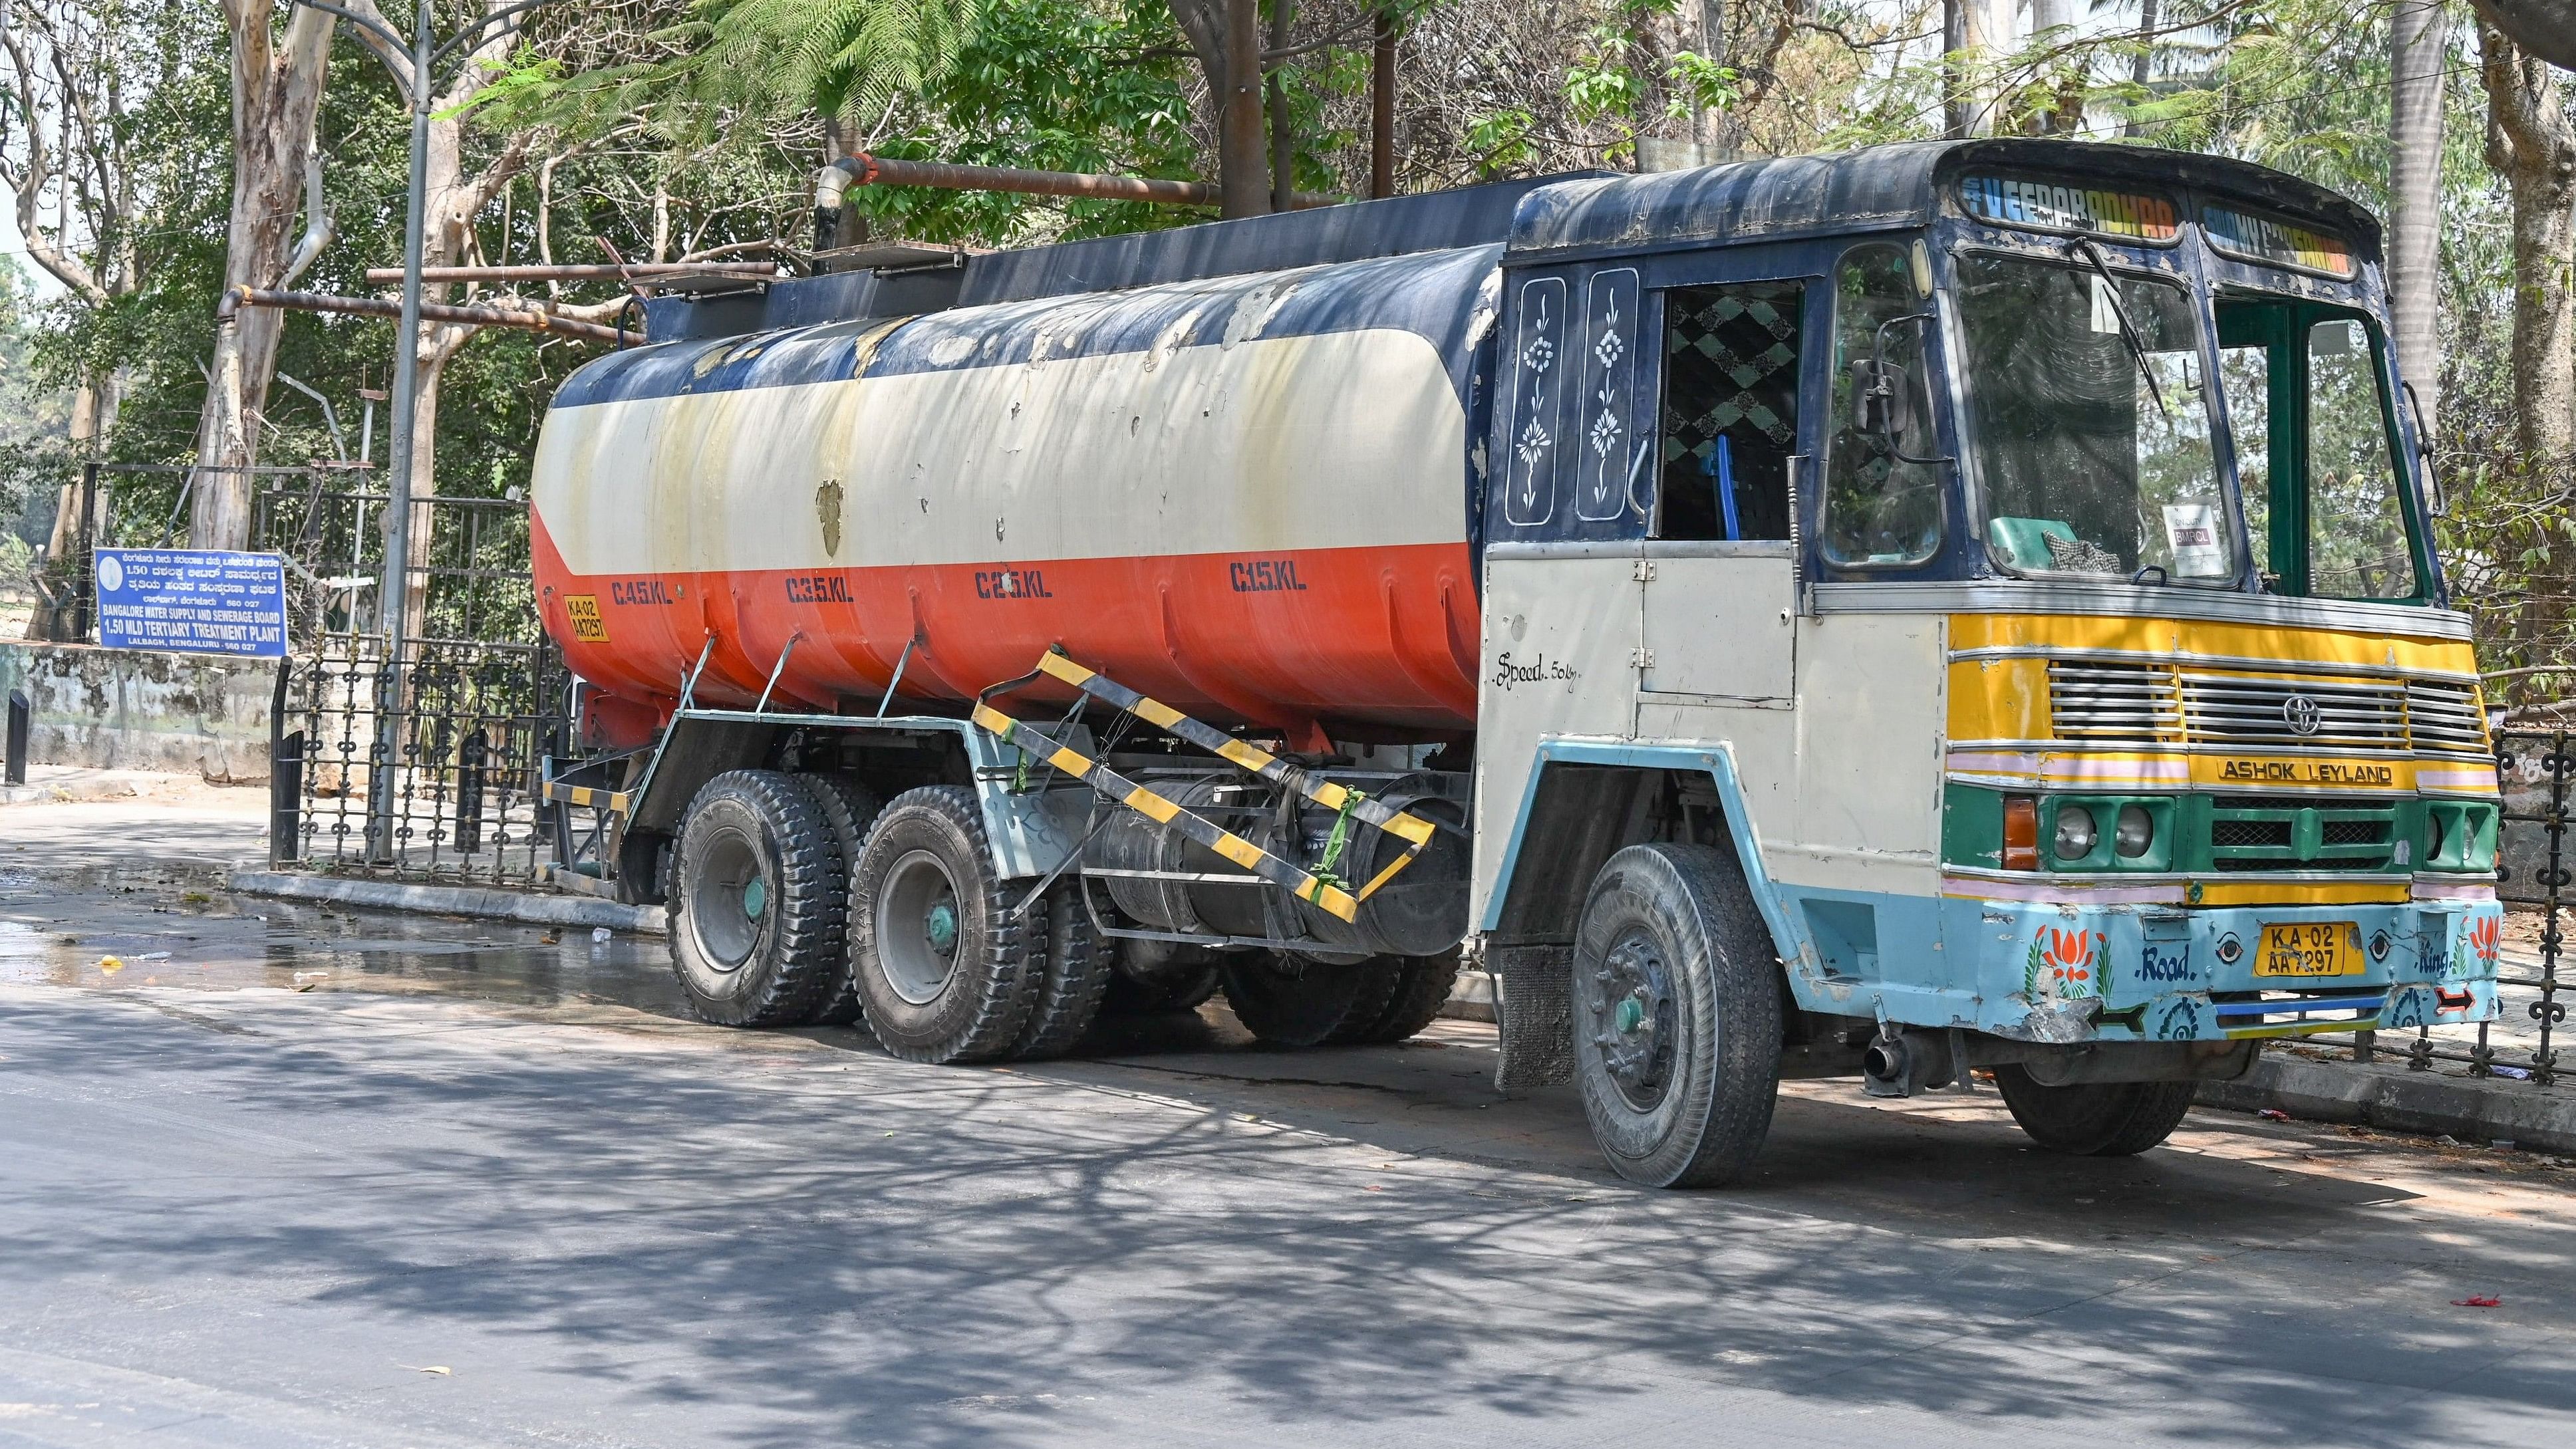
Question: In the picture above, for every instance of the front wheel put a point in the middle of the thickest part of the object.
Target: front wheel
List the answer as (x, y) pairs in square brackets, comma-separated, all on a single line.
[(1676, 1016), (2095, 1119)]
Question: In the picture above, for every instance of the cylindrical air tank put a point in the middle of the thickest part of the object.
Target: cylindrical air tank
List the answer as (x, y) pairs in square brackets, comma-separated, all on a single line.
[(1249, 497)]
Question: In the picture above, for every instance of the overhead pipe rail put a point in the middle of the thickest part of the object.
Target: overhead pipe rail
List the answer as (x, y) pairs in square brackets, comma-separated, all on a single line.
[(833, 182), (531, 318), (646, 272), (1316, 887)]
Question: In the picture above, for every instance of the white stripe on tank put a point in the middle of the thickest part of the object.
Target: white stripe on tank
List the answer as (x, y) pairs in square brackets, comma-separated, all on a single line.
[(1345, 439)]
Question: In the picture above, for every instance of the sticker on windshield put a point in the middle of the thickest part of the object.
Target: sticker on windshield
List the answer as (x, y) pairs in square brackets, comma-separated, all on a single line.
[(2249, 237), (2191, 529), (2060, 207)]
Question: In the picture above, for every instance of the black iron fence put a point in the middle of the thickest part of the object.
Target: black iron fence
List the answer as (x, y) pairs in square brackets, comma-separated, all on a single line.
[(469, 567), (2535, 867), (428, 773)]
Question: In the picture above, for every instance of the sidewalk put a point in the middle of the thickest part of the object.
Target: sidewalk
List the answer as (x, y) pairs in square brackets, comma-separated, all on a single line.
[(64, 784), (2445, 1102)]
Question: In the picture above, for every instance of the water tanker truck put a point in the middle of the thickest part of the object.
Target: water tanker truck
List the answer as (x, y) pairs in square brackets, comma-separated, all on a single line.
[(1941, 613)]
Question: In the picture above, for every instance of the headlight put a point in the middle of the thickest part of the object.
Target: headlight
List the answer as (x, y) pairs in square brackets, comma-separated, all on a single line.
[(2135, 833), (2075, 832)]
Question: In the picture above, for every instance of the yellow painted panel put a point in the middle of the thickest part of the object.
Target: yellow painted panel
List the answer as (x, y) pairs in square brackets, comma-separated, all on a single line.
[(1999, 699), (2180, 636), (2303, 893), (2253, 771)]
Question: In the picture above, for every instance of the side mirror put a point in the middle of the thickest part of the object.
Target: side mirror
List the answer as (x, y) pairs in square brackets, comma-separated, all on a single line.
[(1882, 404)]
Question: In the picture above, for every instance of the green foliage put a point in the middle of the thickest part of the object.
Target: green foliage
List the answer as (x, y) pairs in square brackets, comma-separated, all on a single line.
[(1053, 85), (846, 59)]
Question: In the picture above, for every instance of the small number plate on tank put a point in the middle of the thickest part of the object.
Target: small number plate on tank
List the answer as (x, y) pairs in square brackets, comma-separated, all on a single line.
[(2310, 948), (583, 610)]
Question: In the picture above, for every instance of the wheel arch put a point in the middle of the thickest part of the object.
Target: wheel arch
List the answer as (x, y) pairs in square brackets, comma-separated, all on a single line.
[(1586, 800), (1031, 830)]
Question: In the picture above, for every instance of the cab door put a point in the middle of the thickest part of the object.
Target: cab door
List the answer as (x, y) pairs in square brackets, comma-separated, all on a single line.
[(1734, 427)]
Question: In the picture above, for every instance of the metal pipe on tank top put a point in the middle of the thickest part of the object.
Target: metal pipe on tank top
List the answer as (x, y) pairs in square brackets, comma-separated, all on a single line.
[(833, 181)]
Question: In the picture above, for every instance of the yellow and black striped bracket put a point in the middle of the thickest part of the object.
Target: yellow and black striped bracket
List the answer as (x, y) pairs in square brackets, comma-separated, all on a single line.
[(1118, 788), (1412, 828), (585, 795)]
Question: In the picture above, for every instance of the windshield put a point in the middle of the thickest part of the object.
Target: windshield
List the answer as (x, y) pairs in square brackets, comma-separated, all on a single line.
[(2091, 422), (2324, 497)]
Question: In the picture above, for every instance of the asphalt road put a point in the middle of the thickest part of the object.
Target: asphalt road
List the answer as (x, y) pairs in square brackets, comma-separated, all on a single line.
[(317, 1178)]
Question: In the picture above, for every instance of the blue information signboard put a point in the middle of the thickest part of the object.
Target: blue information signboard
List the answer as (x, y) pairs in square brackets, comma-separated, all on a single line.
[(195, 601)]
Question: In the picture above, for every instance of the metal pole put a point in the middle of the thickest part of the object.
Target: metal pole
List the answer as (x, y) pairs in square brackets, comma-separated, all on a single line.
[(394, 594)]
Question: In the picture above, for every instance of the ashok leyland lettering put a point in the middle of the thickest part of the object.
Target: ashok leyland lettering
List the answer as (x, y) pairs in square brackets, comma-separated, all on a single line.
[(1944, 607)]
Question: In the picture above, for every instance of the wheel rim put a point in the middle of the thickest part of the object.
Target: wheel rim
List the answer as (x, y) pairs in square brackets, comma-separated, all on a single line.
[(1632, 1020), (728, 899), (918, 928)]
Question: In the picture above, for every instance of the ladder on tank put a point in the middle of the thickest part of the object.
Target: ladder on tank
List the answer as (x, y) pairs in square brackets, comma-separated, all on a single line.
[(1318, 886)]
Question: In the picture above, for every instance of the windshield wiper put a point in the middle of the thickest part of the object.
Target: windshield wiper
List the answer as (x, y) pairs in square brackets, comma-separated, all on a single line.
[(2085, 247)]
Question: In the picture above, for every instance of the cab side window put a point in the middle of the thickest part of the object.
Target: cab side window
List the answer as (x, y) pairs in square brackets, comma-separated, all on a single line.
[(1882, 489), (1730, 409)]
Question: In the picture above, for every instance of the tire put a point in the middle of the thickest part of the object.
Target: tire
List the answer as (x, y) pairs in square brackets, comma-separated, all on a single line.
[(1422, 987), (925, 876), (851, 808), (1078, 968), (1676, 1008), (1291, 1003), (1161, 994), (2095, 1119), (757, 902)]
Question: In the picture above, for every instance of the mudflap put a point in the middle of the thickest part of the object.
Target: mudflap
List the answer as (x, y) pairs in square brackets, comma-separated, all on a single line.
[(1535, 1011)]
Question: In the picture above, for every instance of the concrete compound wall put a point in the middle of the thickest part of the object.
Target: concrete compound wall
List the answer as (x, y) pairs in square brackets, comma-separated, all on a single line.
[(130, 709)]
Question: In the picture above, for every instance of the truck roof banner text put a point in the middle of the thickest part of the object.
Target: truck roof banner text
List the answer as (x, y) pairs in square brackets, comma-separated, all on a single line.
[(196, 601)]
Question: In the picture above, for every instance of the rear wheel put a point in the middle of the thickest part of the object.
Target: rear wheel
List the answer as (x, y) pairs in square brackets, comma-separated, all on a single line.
[(1676, 1016), (2095, 1119), (946, 973), (1422, 986), (1078, 968), (1292, 1003), (850, 808), (756, 902), (1160, 993)]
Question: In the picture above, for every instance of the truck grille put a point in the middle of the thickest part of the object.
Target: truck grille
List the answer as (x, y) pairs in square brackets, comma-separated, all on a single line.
[(2164, 704), (2303, 833)]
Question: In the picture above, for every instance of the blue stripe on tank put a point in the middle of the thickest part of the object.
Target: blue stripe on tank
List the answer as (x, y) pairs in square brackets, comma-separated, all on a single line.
[(1433, 295)]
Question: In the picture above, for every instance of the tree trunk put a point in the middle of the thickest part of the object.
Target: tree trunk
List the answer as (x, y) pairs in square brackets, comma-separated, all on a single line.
[(1283, 128), (1382, 106), (2531, 143), (1712, 128), (1958, 112), (277, 89), (1243, 169), (2419, 48), (2545, 28), (1225, 35), (2142, 66), (439, 345)]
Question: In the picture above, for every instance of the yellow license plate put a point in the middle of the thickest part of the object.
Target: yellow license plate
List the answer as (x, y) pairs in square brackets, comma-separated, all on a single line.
[(2310, 948)]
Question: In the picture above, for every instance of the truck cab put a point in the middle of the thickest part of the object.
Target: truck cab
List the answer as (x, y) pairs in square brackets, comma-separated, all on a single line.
[(2001, 570)]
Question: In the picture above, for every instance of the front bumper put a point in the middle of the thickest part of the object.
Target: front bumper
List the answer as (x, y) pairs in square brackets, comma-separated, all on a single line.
[(2064, 972)]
